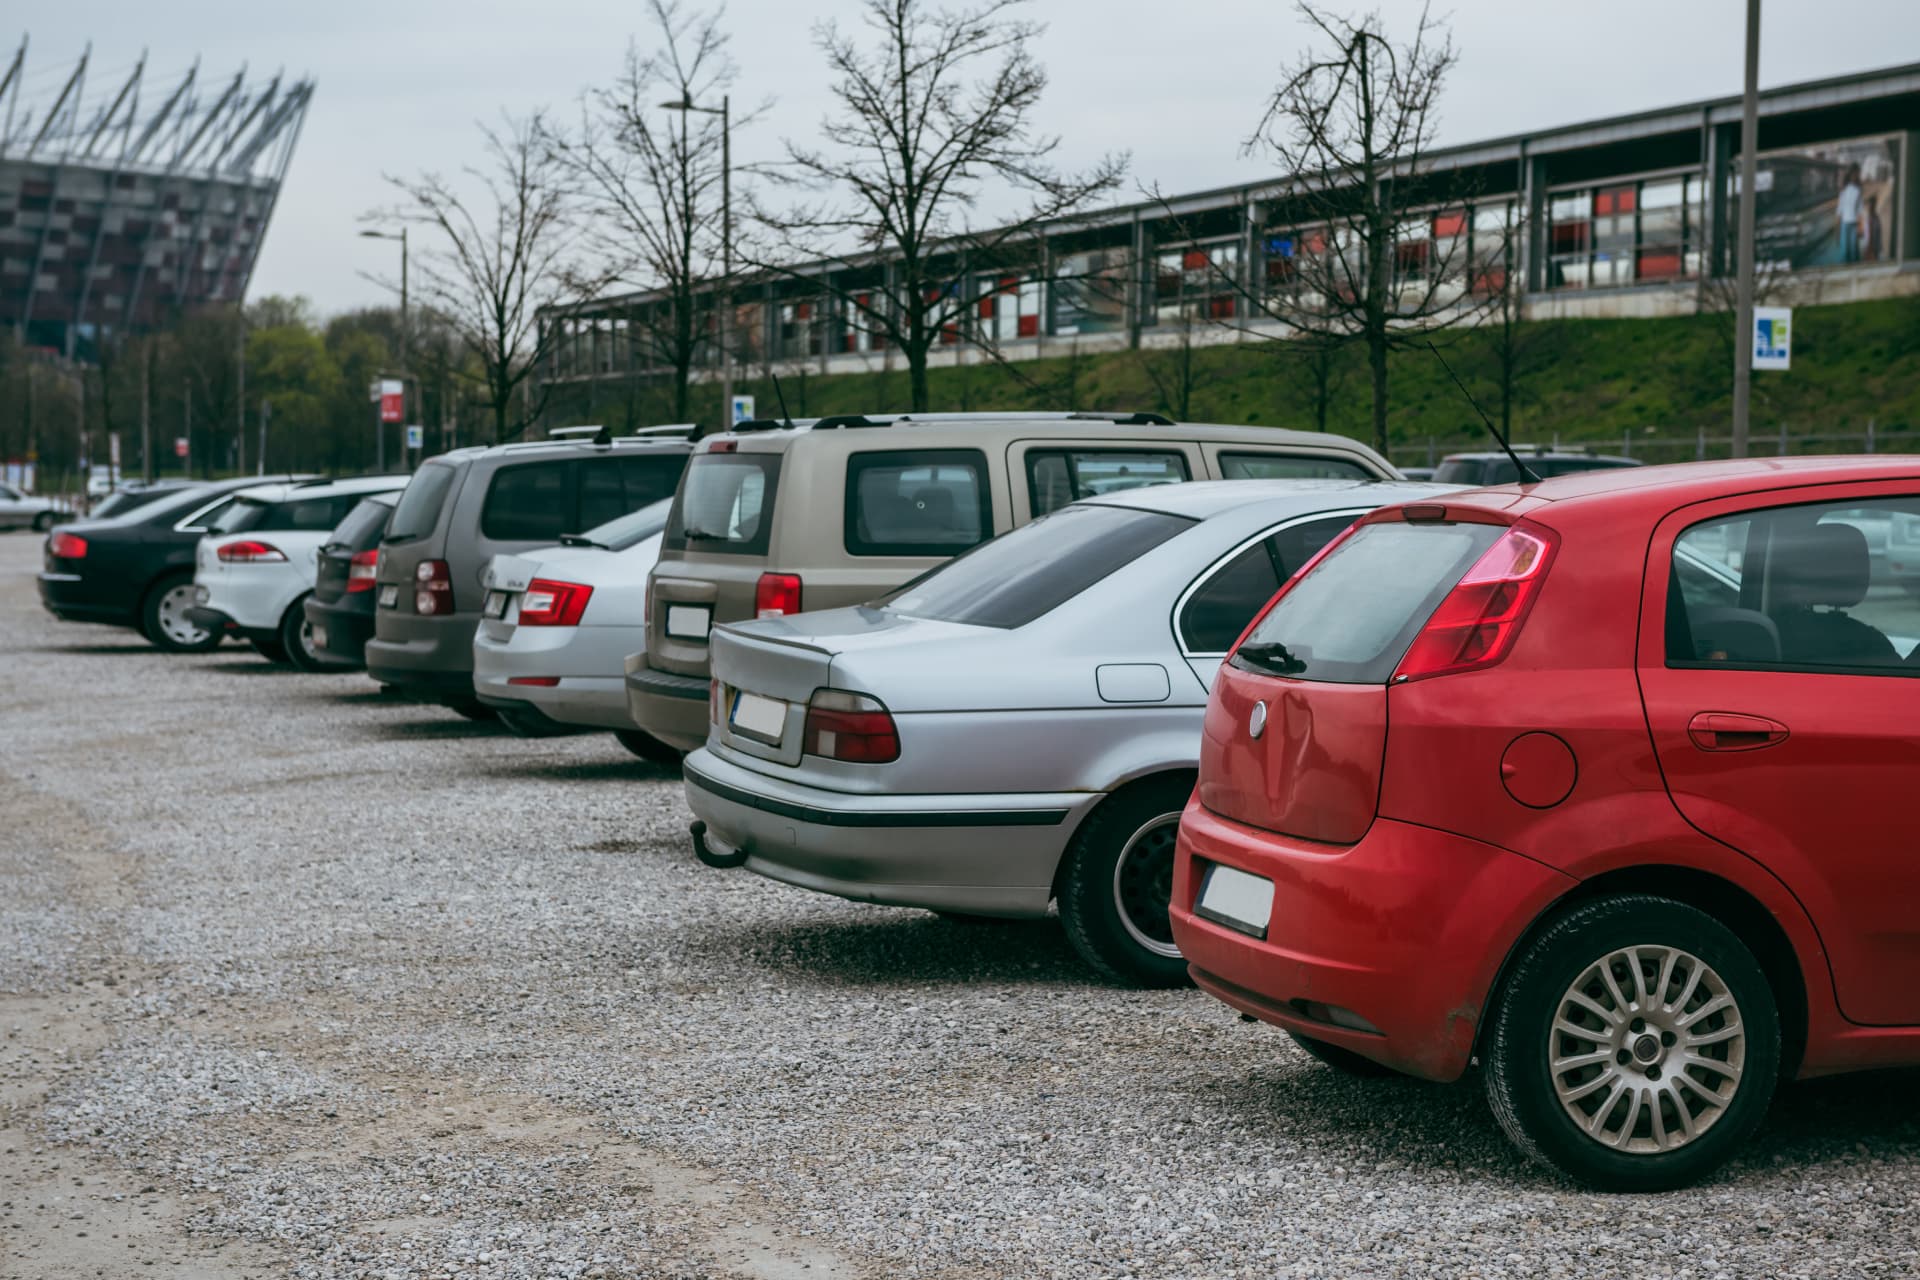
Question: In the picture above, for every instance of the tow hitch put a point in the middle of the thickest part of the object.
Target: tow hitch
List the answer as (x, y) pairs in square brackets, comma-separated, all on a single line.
[(721, 858)]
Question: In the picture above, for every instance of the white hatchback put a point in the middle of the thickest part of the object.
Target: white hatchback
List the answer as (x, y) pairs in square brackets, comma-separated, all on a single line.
[(255, 568)]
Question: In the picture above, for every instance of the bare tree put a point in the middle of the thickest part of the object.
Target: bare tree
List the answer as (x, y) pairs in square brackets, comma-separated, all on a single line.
[(1351, 123), (1499, 274), (938, 103), (498, 256), (1316, 371), (653, 183), (1170, 370)]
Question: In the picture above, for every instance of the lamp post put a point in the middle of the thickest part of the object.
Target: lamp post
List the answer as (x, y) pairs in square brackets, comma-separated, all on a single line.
[(380, 439), (1743, 260), (726, 241)]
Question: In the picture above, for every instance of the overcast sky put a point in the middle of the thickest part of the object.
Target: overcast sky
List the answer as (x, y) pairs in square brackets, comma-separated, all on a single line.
[(1176, 82)]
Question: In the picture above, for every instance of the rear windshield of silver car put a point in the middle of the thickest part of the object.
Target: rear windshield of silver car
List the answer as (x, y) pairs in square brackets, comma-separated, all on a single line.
[(1351, 619), (725, 504), (1036, 568), (419, 509)]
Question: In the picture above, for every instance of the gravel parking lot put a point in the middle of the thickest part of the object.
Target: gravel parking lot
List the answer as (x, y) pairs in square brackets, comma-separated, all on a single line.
[(296, 980)]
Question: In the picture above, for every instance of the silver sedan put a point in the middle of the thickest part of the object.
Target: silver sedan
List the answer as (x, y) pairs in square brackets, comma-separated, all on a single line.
[(1020, 726)]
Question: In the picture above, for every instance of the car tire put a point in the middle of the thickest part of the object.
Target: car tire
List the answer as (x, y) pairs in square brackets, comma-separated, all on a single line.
[(270, 648), (1342, 1059), (526, 724), (472, 709), (163, 618), (296, 638), (43, 521), (650, 748), (1700, 988), (1118, 876)]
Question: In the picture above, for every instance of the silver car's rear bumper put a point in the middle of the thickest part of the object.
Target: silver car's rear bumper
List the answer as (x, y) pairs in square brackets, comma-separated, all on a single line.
[(983, 854)]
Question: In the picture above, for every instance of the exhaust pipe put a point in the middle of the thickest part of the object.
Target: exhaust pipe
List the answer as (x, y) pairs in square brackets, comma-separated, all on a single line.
[(711, 857)]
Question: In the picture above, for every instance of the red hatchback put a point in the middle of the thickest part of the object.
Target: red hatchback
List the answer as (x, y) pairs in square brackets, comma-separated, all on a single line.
[(1601, 783)]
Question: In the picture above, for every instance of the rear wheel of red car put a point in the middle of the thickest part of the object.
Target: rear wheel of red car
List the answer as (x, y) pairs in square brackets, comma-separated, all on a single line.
[(1635, 1046), (650, 748), (1119, 882), (1341, 1059)]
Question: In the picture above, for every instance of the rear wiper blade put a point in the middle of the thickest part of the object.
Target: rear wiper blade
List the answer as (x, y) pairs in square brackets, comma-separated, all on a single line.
[(1271, 656), (701, 535), (580, 540)]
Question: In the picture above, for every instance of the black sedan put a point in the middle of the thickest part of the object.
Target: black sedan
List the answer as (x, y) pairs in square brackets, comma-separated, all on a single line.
[(340, 610), (136, 569)]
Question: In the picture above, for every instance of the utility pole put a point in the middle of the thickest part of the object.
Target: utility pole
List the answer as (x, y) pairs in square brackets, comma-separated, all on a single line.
[(146, 409), (379, 427), (240, 392), (1749, 197), (266, 412), (186, 429), (725, 112)]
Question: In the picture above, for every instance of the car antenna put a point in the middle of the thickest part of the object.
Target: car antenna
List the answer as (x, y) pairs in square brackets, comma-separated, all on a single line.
[(1527, 473), (781, 397)]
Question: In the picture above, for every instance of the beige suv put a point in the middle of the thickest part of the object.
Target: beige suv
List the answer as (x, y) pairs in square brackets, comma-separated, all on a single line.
[(778, 517)]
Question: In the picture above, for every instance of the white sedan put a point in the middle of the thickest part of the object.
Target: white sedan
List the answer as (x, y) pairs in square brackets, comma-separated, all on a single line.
[(21, 510), (557, 626), (255, 568)]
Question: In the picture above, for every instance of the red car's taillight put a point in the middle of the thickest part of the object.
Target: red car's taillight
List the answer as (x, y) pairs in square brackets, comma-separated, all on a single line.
[(851, 727), (776, 595), (67, 546), (1476, 624), (361, 570), (432, 588), (549, 603), (248, 551)]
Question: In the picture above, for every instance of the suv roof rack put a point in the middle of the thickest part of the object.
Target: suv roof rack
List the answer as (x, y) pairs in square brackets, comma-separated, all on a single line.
[(568, 433), (1131, 419), (685, 430)]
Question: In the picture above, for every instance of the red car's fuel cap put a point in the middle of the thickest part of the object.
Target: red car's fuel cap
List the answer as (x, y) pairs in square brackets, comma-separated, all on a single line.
[(1538, 770)]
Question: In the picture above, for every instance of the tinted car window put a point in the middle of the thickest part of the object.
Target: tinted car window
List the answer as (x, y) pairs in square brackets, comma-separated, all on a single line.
[(1216, 614), (650, 478), (602, 495), (1351, 619), (725, 504), (1056, 477), (361, 528), (1280, 466), (530, 502), (631, 529), (420, 504), (924, 502), (203, 518), (1814, 592), (1021, 575)]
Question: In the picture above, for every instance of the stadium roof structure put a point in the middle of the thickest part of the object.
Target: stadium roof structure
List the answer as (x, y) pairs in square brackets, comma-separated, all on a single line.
[(126, 198)]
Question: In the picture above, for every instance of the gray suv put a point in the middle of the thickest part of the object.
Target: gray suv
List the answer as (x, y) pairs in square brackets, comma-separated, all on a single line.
[(465, 507)]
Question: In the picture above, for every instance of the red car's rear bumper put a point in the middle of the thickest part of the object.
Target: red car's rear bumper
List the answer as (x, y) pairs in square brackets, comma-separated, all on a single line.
[(1406, 929)]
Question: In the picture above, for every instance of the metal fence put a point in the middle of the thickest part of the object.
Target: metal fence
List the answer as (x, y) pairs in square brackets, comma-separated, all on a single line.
[(1648, 445)]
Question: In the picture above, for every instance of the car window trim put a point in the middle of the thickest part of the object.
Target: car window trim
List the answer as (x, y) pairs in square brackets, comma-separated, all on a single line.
[(1148, 448), (186, 523), (1206, 575)]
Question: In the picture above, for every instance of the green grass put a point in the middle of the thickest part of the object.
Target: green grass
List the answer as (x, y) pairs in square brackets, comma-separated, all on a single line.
[(1582, 381)]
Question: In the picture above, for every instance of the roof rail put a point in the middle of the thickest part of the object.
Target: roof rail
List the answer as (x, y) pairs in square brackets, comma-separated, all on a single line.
[(567, 433), (686, 430), (772, 424)]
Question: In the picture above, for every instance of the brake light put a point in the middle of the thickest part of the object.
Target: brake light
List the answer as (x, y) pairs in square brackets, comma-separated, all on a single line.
[(361, 570), (1476, 624), (776, 595), (538, 682), (432, 588), (851, 727), (67, 546), (724, 446), (248, 551), (549, 603)]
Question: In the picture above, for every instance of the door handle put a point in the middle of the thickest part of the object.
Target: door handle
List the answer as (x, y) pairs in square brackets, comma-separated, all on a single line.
[(1731, 731)]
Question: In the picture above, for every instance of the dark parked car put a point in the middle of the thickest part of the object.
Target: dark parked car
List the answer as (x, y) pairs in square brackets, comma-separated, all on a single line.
[(136, 570), (340, 610), (465, 507), (1494, 467)]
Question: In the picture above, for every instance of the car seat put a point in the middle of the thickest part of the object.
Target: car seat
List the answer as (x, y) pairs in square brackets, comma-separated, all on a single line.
[(1816, 573)]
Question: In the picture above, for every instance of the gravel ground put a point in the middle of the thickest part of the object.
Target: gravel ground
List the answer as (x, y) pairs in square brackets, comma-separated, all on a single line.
[(299, 981)]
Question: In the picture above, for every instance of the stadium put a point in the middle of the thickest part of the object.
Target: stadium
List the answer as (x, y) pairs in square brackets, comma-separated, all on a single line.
[(127, 197)]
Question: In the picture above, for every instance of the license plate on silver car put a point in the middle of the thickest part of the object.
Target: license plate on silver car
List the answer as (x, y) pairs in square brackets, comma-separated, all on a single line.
[(758, 716), (389, 595), (689, 621), (496, 605), (1236, 899)]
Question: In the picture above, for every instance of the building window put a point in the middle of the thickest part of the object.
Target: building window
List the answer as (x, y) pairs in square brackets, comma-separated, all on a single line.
[(1196, 282), (799, 331), (1624, 233), (1090, 292), (1009, 307)]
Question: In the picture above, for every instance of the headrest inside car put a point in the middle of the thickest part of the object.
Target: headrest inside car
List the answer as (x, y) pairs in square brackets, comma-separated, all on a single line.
[(1822, 564)]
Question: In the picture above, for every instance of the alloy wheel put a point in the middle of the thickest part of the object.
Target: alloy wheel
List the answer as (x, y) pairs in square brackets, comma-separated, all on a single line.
[(1143, 884), (172, 613), (1646, 1049)]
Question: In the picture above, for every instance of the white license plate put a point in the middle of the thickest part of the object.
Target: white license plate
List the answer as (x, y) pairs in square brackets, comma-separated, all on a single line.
[(1237, 900), (496, 605), (758, 716), (389, 595), (689, 621)]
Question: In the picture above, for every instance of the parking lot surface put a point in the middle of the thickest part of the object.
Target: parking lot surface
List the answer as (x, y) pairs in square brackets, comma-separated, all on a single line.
[(298, 980)]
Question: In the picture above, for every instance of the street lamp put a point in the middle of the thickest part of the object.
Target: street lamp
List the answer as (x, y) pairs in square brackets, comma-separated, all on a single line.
[(726, 240), (380, 439)]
